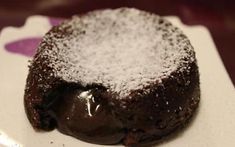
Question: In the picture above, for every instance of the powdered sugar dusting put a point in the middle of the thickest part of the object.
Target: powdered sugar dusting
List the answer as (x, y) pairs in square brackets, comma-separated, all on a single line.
[(123, 49)]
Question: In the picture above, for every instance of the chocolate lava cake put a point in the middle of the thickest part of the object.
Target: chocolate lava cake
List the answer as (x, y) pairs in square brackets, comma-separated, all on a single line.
[(113, 76)]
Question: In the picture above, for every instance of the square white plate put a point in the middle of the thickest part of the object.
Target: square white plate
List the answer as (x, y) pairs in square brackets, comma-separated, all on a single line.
[(214, 125)]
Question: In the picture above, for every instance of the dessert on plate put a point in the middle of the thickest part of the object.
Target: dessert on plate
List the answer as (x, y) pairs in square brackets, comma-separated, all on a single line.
[(113, 76)]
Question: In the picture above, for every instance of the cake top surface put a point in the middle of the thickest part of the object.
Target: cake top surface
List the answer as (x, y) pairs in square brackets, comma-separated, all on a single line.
[(123, 49)]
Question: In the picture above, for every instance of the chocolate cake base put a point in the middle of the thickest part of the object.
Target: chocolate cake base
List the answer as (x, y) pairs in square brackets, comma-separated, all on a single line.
[(120, 99)]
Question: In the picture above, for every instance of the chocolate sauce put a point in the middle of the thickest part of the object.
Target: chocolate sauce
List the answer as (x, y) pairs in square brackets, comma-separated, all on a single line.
[(85, 114)]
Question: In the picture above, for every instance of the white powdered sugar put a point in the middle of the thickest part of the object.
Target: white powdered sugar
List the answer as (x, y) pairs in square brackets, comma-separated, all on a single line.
[(123, 50)]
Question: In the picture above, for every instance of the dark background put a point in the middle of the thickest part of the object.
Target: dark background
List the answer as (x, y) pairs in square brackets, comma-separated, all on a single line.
[(217, 15)]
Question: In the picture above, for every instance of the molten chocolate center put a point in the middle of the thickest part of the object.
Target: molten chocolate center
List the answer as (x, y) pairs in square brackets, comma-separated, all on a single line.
[(85, 114)]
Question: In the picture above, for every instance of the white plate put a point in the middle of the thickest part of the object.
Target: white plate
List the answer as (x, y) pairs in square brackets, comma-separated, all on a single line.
[(214, 125)]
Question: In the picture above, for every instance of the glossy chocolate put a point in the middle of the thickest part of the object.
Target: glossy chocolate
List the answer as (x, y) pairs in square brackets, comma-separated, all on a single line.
[(85, 114)]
